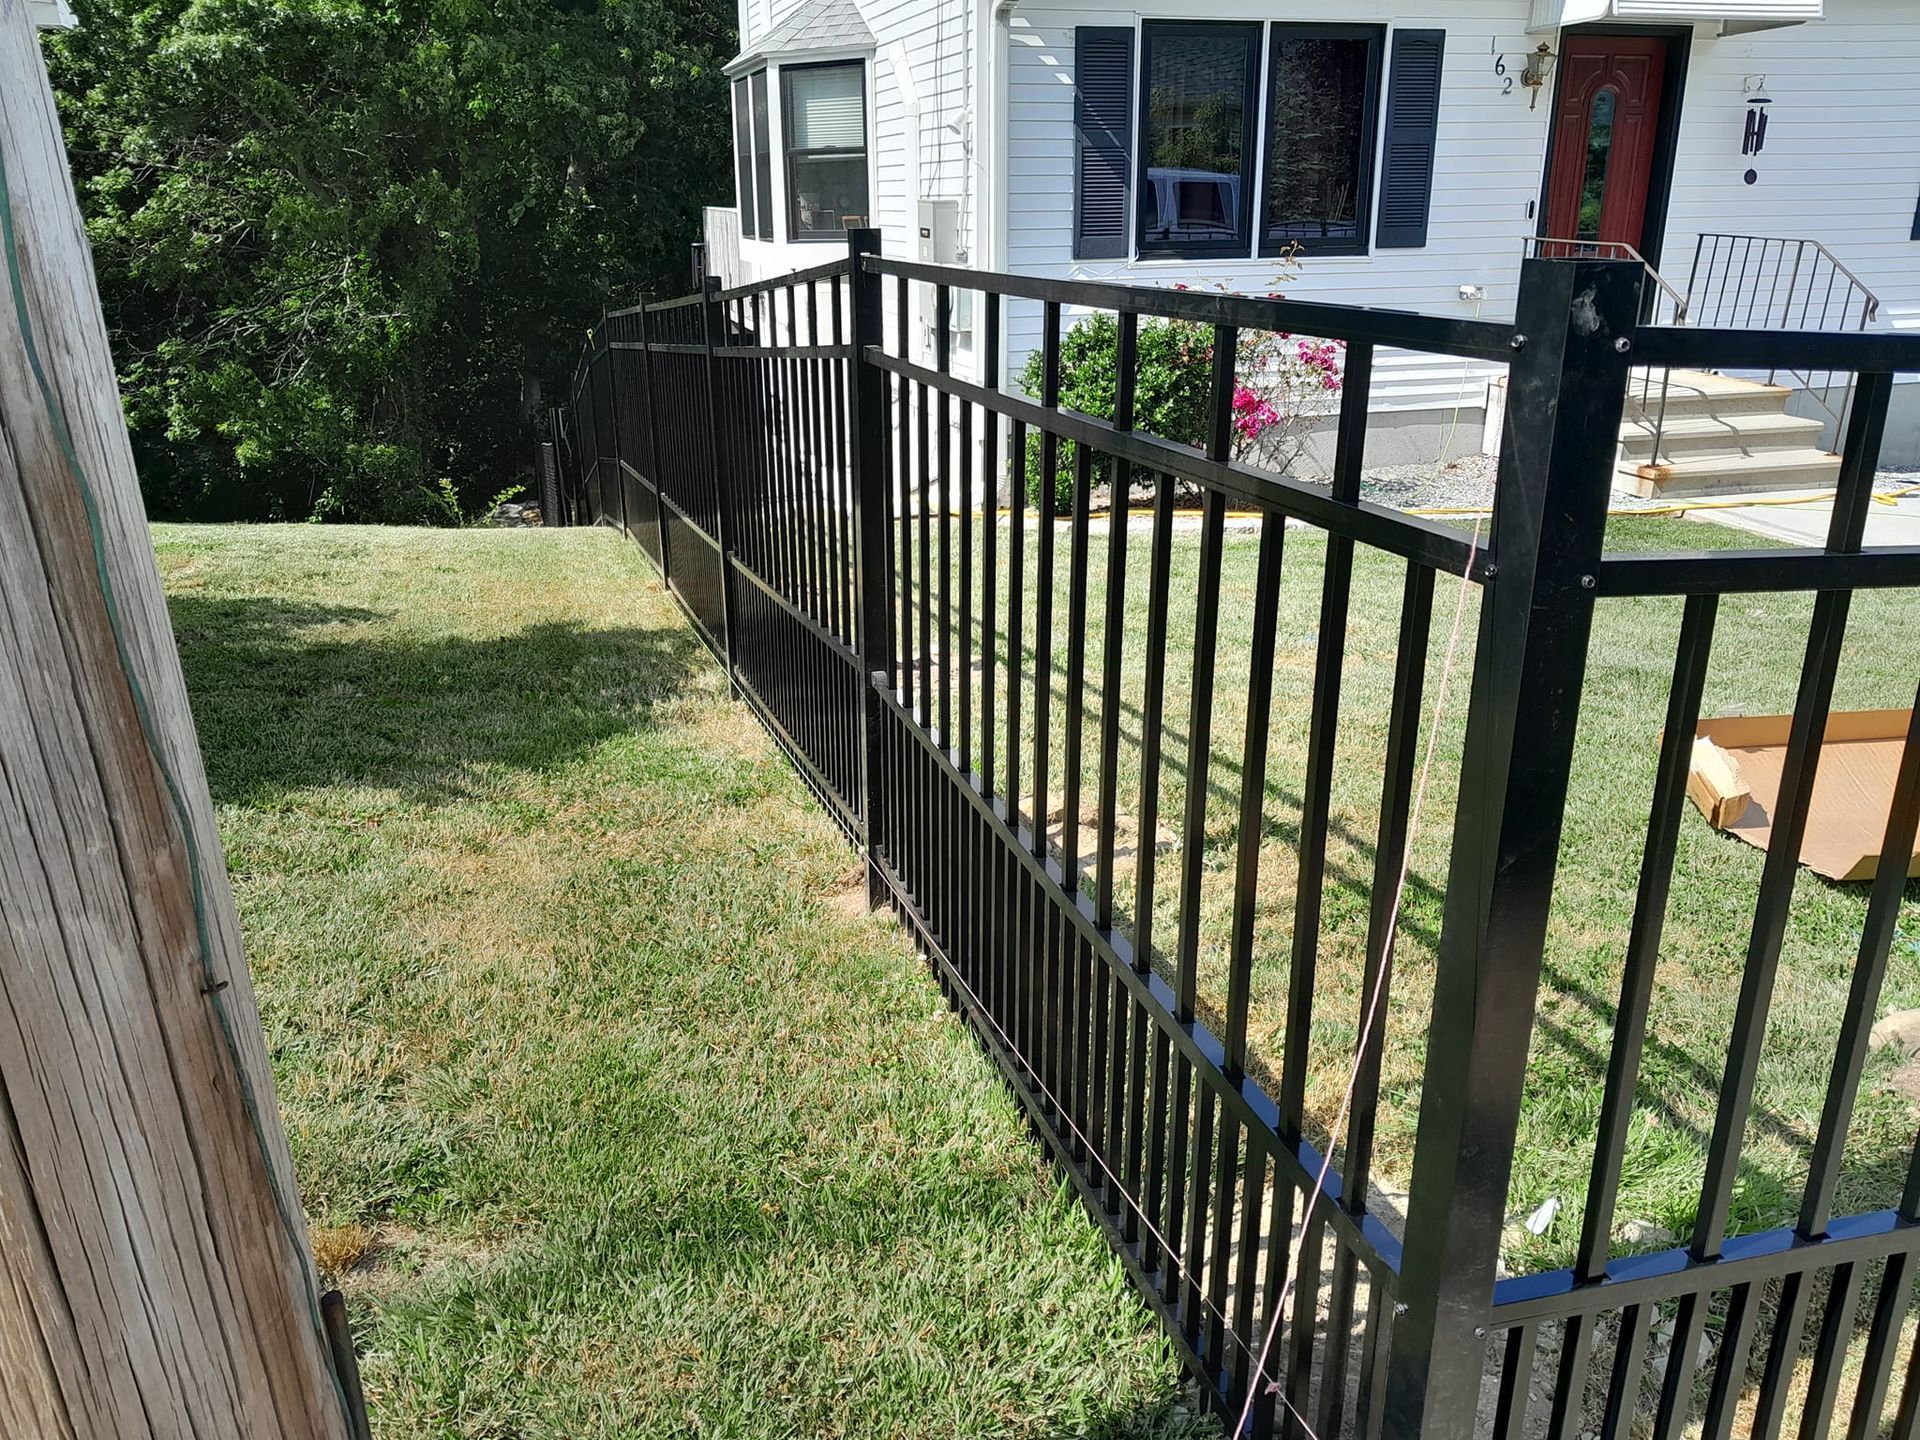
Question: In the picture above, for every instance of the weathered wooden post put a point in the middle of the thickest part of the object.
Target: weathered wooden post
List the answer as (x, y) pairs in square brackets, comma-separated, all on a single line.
[(154, 1273)]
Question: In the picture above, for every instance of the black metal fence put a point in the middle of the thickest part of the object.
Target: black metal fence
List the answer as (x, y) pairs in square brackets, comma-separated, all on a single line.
[(803, 464)]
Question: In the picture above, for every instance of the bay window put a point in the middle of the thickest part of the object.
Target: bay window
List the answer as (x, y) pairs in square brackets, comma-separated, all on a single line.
[(825, 118)]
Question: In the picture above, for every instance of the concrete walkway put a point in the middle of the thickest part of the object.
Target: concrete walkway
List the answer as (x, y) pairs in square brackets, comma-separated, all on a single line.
[(1805, 522)]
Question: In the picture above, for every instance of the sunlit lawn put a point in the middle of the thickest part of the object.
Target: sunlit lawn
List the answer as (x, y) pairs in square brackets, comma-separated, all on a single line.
[(614, 1113)]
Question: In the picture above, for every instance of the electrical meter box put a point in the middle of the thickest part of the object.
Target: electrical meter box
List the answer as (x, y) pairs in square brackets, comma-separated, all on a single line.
[(937, 242), (939, 236)]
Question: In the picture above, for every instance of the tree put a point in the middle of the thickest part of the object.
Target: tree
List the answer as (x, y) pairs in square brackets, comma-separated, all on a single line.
[(345, 244)]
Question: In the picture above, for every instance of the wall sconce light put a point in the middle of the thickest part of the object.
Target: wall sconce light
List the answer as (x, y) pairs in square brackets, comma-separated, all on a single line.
[(1539, 68)]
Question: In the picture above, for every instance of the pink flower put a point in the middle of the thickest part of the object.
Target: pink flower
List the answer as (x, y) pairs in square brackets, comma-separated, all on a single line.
[(1253, 416)]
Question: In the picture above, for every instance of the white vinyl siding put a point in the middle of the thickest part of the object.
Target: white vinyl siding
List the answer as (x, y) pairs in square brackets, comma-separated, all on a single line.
[(1841, 165), (1842, 158)]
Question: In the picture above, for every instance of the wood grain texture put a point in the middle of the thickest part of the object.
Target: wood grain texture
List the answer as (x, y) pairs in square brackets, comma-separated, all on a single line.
[(154, 1277)]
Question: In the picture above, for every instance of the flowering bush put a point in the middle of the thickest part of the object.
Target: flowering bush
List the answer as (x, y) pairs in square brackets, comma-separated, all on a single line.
[(1280, 380)]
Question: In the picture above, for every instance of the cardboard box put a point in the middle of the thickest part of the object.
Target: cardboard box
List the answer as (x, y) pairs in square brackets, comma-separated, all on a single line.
[(1735, 775)]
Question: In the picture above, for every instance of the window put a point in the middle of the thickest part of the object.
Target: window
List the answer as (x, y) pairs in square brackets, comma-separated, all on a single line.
[(1196, 137), (826, 140), (762, 159), (1323, 87), (743, 154), (1593, 183)]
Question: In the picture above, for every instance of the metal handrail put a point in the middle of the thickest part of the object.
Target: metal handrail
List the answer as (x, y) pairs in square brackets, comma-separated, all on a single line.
[(1871, 309), (1844, 301)]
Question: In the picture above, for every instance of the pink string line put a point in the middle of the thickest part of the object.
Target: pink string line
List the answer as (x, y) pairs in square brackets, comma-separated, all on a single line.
[(1338, 1132)]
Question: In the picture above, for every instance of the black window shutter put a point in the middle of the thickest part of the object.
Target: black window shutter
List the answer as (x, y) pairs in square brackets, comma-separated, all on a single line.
[(1103, 126), (1916, 224), (1413, 117)]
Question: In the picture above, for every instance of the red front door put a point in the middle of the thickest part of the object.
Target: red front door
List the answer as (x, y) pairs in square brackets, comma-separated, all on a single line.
[(1605, 119)]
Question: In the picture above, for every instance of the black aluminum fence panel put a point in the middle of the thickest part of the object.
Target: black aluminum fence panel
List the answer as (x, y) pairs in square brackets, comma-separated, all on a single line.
[(1004, 709)]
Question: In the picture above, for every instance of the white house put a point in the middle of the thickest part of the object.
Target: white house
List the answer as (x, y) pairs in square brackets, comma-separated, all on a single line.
[(1410, 149)]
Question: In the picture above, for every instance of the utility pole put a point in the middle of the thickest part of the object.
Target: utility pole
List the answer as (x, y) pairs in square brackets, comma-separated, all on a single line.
[(154, 1272)]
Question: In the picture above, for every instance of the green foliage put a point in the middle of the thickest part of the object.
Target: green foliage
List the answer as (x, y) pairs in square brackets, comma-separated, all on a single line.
[(441, 504), (344, 246), (1170, 389)]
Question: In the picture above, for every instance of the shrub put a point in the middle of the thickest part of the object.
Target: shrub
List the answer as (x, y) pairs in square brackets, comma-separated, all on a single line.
[(1170, 389), (1280, 380)]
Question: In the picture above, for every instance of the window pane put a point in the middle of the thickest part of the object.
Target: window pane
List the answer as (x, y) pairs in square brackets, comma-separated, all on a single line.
[(743, 154), (1593, 186), (826, 140), (825, 108), (829, 193), (762, 158), (1320, 138), (1196, 134)]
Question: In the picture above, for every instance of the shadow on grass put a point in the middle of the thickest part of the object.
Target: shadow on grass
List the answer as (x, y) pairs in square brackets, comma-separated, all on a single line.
[(291, 695)]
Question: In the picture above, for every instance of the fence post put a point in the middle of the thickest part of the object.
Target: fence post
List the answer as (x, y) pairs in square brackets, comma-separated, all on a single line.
[(610, 357), (563, 473), (653, 436), (1567, 387), (712, 328), (867, 445), (546, 473)]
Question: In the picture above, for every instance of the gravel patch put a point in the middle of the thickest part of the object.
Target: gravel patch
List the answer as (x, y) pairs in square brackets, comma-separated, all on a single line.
[(1467, 481)]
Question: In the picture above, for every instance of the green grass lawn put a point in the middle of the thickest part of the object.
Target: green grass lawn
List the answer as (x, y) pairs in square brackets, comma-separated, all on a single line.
[(613, 1113), (1759, 646)]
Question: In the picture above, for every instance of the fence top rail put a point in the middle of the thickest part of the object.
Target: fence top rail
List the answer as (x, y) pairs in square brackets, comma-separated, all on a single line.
[(628, 310), (1859, 351), (680, 303), (1406, 329), (809, 276)]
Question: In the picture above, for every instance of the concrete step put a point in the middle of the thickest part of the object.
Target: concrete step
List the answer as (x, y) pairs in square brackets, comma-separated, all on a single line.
[(1699, 436), (1800, 469), (1693, 392)]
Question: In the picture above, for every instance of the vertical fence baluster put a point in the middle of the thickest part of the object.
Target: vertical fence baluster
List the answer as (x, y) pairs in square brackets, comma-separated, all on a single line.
[(1016, 619), (1043, 581), (710, 322), (943, 482), (965, 502), (1246, 879), (1072, 757), (989, 535)]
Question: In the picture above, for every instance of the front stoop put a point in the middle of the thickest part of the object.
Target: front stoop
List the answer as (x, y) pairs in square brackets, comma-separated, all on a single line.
[(1721, 435)]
